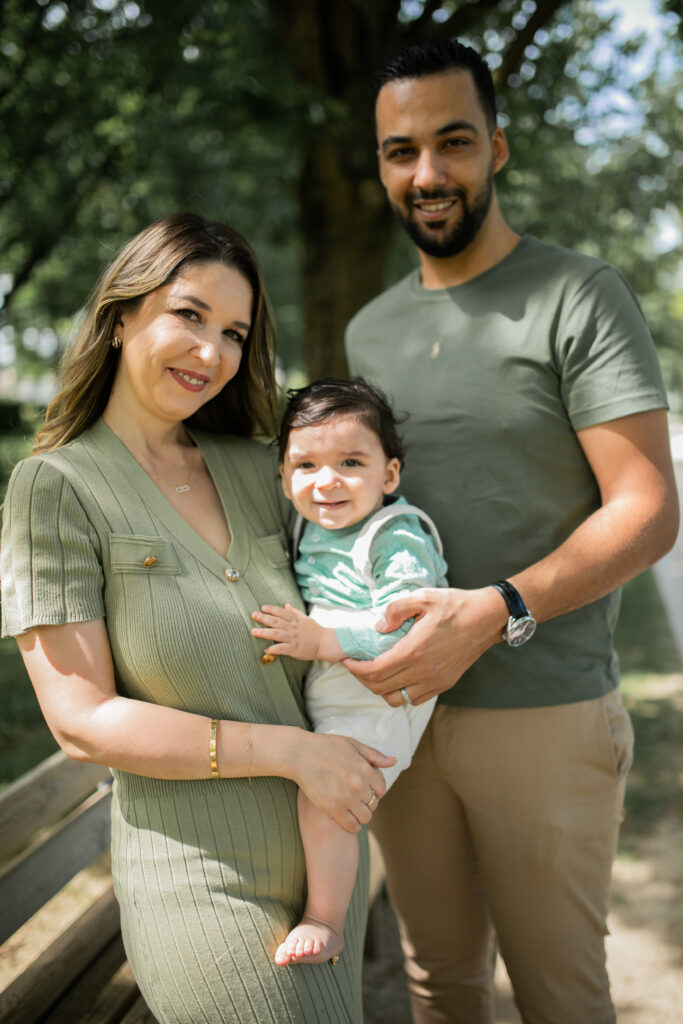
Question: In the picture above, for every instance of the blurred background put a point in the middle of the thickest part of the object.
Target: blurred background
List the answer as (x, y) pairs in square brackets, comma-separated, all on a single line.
[(116, 112)]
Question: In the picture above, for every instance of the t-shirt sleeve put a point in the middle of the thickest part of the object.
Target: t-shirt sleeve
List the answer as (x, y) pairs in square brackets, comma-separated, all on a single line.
[(404, 558), (608, 361), (50, 563)]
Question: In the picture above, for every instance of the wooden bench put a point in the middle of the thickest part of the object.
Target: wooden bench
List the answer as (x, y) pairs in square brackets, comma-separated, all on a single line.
[(64, 962), (67, 966)]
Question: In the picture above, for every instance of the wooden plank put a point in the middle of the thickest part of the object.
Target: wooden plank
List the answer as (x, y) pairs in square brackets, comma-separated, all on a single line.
[(85, 993), (42, 796), (115, 998), (37, 875), (140, 1013), (47, 978)]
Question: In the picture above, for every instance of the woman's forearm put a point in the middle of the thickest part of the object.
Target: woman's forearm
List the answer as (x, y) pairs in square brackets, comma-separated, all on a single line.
[(71, 669), (167, 743)]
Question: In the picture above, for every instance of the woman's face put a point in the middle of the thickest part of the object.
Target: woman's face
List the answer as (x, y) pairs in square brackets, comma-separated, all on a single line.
[(182, 343)]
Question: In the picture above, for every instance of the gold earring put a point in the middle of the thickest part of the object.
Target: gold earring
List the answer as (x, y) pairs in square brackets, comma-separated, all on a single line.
[(116, 342)]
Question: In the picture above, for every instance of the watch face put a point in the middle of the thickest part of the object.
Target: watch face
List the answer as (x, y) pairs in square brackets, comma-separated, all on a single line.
[(519, 630)]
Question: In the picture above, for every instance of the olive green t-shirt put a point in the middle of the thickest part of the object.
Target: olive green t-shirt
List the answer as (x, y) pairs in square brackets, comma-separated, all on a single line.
[(497, 375)]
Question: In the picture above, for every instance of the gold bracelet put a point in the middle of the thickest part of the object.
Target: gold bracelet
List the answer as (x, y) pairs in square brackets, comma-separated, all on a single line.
[(213, 757), (250, 747)]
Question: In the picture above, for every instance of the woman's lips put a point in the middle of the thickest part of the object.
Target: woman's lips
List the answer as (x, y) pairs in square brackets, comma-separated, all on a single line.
[(189, 381)]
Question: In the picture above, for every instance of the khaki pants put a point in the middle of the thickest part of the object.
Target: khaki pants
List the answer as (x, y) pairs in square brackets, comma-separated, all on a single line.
[(508, 820)]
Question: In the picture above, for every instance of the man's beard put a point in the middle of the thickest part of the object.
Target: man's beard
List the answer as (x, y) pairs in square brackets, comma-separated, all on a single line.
[(462, 234)]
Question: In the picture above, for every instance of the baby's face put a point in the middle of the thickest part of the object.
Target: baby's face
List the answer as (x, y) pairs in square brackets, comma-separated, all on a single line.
[(336, 472)]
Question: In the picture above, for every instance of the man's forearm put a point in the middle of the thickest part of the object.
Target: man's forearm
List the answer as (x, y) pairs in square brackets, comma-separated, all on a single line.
[(616, 543)]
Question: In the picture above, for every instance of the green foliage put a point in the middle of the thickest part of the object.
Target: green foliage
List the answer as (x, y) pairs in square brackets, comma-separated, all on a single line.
[(598, 167), (13, 447), (643, 637), (651, 686), (114, 113), (25, 739)]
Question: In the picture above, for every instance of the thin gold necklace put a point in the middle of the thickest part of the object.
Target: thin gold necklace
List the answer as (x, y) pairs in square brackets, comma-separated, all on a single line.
[(184, 488)]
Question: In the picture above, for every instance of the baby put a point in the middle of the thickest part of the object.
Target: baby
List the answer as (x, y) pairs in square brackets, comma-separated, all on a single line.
[(340, 461)]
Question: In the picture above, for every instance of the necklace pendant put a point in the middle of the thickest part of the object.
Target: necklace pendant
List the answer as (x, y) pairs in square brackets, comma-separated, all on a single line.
[(182, 489)]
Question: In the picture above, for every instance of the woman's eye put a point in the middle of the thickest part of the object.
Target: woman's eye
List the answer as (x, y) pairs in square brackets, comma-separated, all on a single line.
[(235, 336), (188, 314)]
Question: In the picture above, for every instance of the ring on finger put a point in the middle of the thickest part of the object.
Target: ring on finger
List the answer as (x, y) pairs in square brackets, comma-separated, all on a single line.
[(405, 695), (372, 801)]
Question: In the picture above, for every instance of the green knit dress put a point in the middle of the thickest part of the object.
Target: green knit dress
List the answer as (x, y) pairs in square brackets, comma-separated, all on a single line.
[(209, 874)]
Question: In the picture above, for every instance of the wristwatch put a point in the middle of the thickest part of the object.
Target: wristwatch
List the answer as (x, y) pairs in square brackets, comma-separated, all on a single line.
[(521, 625)]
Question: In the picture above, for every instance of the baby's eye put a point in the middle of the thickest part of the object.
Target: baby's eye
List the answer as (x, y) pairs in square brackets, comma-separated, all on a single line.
[(303, 465), (352, 462)]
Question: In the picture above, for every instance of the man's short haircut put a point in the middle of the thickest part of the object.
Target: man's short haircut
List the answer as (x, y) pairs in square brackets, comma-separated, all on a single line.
[(331, 398), (435, 57)]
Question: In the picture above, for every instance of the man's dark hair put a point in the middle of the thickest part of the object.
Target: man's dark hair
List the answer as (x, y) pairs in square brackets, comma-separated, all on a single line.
[(434, 57), (331, 397)]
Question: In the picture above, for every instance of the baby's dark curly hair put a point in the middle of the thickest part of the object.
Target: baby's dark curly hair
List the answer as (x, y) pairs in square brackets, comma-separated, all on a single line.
[(332, 397)]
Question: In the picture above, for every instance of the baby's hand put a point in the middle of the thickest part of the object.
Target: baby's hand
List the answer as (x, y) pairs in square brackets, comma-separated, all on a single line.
[(296, 634)]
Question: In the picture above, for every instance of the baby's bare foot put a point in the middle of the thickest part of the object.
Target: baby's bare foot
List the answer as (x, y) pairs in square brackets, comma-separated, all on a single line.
[(311, 942)]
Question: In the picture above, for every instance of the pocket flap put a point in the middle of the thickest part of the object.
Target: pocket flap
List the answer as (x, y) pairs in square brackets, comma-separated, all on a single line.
[(274, 548), (130, 553)]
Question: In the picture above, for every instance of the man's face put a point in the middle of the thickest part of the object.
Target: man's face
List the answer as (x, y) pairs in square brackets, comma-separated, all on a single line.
[(437, 159)]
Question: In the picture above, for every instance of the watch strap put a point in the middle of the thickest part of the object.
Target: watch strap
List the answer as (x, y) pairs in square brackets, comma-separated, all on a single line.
[(512, 598)]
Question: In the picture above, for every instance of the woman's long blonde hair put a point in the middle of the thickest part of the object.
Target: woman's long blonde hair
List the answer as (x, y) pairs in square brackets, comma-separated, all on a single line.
[(148, 261)]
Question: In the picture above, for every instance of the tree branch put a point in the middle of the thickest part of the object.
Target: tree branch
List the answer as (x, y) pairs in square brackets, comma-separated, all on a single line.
[(29, 42), (545, 11), (464, 17), (44, 242)]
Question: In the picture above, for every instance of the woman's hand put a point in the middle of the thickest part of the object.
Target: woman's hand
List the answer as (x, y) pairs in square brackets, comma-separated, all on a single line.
[(339, 775)]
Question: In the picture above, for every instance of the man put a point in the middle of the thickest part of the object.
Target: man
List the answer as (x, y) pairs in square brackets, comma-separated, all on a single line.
[(537, 440)]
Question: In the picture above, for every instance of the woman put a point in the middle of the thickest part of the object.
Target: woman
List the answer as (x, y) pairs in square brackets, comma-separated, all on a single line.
[(137, 540)]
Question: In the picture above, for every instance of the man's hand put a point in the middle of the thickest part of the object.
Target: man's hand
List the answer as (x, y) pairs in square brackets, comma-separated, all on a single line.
[(452, 629), (296, 634)]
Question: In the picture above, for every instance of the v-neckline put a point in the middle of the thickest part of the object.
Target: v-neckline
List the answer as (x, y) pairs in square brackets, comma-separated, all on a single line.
[(238, 552)]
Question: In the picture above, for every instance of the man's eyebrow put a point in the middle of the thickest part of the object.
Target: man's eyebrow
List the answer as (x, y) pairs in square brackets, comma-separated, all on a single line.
[(452, 126), (458, 126)]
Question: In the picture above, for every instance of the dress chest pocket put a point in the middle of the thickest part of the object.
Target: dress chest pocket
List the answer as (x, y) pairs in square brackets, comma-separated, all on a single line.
[(276, 581), (274, 550), (151, 556)]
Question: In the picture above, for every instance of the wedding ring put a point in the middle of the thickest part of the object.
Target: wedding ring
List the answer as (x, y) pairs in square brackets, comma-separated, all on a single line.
[(406, 696), (372, 801), (334, 960)]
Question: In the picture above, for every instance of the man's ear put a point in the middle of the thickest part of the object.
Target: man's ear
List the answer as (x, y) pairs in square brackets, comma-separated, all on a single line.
[(392, 476), (501, 150)]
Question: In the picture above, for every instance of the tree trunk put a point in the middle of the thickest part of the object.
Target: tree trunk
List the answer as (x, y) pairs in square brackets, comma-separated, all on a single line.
[(347, 228)]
